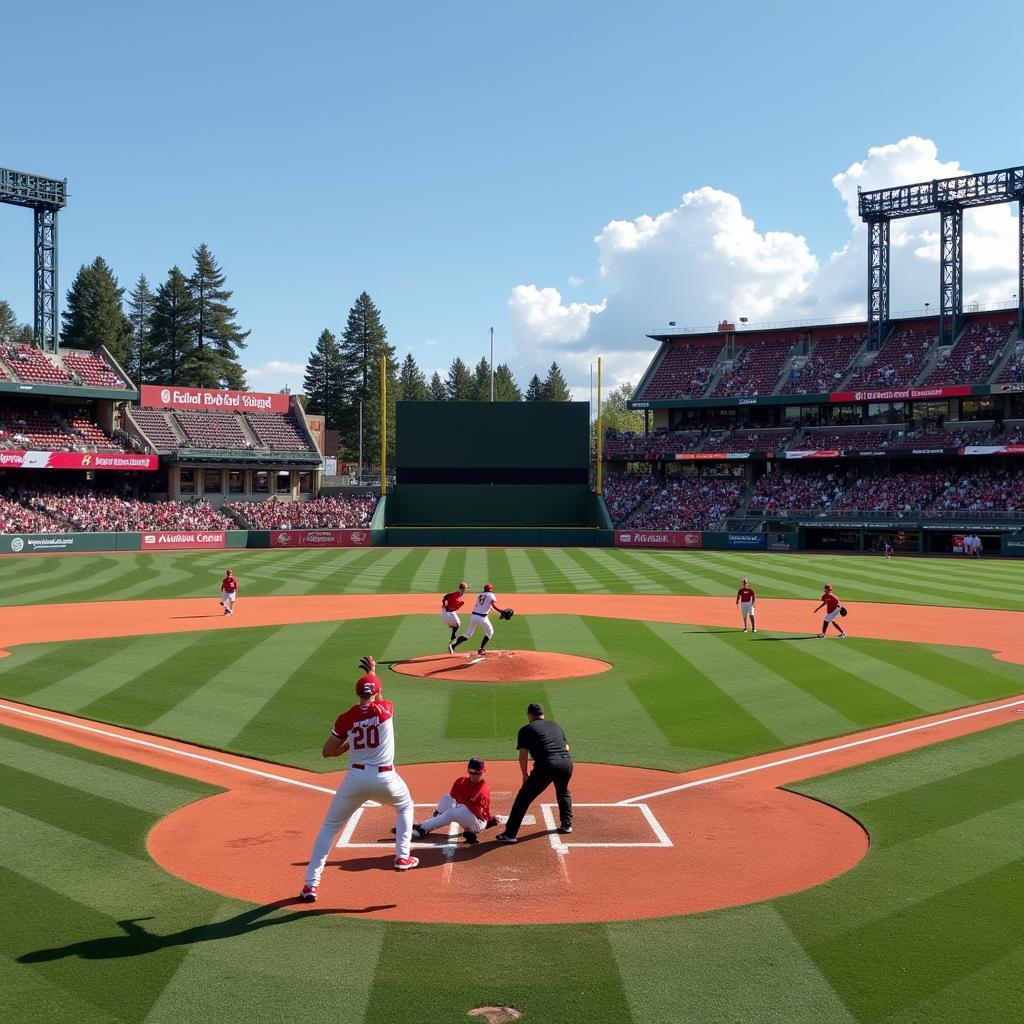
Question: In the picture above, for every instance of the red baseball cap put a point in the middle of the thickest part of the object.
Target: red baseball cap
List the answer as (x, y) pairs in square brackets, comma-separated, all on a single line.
[(463, 586), (368, 685), (488, 586)]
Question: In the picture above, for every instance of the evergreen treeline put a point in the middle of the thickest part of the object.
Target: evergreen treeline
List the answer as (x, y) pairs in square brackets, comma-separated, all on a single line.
[(184, 333)]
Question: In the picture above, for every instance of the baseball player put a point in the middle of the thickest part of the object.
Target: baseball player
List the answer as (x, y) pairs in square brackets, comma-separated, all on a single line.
[(833, 607), (367, 733), (745, 599), (468, 803), (887, 550), (228, 592), (485, 601), (450, 605)]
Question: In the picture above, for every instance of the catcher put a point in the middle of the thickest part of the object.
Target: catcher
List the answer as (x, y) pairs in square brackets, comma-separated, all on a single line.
[(486, 601), (468, 803)]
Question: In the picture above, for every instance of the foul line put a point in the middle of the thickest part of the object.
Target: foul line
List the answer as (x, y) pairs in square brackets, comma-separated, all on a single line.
[(162, 748), (819, 753)]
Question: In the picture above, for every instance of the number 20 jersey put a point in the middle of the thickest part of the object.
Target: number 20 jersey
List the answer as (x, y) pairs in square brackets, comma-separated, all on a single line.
[(370, 731)]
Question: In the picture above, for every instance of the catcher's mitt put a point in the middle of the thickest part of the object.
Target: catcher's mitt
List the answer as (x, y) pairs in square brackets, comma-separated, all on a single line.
[(367, 664), (507, 614)]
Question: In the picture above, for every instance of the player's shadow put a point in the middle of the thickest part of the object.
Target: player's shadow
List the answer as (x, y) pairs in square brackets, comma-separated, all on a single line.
[(774, 639), (211, 615), (710, 631), (434, 854), (136, 941)]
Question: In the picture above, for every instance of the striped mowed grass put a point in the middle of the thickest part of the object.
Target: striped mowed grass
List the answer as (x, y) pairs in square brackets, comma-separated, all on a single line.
[(925, 928)]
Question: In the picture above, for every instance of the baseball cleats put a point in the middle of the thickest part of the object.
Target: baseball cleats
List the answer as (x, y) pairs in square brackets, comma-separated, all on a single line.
[(743, 630), (754, 630), (821, 636), (501, 837), (564, 830), (451, 647), (418, 832), (405, 863), (842, 636), (470, 837), (308, 894)]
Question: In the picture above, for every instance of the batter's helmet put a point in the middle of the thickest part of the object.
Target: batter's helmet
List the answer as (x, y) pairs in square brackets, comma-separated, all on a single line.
[(488, 586), (463, 586), (367, 686)]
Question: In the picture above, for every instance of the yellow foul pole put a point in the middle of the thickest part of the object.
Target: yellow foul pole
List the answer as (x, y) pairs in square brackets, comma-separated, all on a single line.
[(600, 439), (383, 425)]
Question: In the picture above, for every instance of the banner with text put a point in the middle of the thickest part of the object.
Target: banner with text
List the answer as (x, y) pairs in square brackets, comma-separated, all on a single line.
[(899, 394), (658, 539), (78, 460), (319, 538), (183, 540), (155, 396)]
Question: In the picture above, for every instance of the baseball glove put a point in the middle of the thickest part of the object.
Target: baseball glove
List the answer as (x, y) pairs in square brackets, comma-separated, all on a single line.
[(843, 612), (507, 614), (367, 664)]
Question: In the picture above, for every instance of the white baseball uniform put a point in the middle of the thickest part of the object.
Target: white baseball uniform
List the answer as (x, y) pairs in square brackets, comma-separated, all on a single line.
[(478, 617), (449, 810), (371, 776)]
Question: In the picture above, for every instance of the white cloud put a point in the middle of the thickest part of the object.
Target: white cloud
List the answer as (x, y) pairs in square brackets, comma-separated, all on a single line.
[(704, 261), (275, 374), (574, 281)]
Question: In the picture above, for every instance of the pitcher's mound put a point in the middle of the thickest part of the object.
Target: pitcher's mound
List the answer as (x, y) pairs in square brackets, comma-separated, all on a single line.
[(499, 666)]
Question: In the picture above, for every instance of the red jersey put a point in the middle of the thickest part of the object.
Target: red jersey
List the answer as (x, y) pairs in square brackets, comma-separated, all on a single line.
[(452, 602), (474, 795), (830, 601), (229, 584), (745, 594), (370, 731)]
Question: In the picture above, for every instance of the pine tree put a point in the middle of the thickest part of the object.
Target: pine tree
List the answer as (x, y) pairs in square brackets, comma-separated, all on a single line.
[(174, 329), (459, 384), (364, 341), (412, 385), (324, 382), (140, 366), (93, 315), (535, 390), (482, 381), (505, 387), (10, 329), (555, 387), (213, 362), (438, 393)]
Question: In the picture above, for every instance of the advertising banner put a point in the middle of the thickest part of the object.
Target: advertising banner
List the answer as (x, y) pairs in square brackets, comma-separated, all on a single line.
[(745, 541), (156, 397), (658, 539), (35, 543), (79, 460), (899, 394), (319, 538), (814, 453), (993, 449), (711, 456), (183, 540)]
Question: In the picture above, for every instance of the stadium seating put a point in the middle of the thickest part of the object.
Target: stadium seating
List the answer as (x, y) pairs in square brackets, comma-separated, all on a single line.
[(762, 440), (91, 433), (278, 433), (212, 429), (825, 439), (684, 372), (154, 424), (92, 370), (623, 446), (624, 493), (826, 366), (976, 354), (336, 512), (1013, 371), (756, 368), (31, 365), (900, 360), (685, 502), (34, 428)]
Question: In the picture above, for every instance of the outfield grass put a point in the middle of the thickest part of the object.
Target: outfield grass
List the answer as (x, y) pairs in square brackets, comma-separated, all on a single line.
[(925, 929)]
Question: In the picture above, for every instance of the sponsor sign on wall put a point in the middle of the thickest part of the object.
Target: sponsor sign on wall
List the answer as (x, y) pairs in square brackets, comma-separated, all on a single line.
[(994, 449), (745, 541), (183, 540), (35, 543), (899, 394), (157, 397), (319, 538), (79, 460), (658, 539)]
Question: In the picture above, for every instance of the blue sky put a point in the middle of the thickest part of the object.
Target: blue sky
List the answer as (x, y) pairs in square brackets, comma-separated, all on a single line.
[(521, 166)]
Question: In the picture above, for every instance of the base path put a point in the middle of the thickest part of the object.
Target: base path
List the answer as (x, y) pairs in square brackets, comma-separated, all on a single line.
[(1002, 632), (646, 843)]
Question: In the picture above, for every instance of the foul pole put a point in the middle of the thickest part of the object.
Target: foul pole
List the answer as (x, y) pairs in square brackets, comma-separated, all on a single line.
[(600, 445), (383, 425)]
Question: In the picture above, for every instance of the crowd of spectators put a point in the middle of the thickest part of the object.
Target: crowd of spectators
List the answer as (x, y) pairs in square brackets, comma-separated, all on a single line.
[(756, 368), (86, 511), (684, 371), (986, 490), (826, 366), (16, 518), (1013, 371), (687, 502), (340, 511), (620, 445), (624, 493), (974, 357), (900, 360)]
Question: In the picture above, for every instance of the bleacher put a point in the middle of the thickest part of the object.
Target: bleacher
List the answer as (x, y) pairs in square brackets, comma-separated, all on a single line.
[(212, 429), (900, 361), (826, 366), (92, 370), (756, 368), (153, 422), (758, 440), (35, 429), (278, 433), (1013, 371), (684, 372), (91, 433), (31, 365), (619, 445)]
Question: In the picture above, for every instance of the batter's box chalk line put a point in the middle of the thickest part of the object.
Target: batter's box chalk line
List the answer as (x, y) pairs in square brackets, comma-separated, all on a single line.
[(454, 831), (561, 846)]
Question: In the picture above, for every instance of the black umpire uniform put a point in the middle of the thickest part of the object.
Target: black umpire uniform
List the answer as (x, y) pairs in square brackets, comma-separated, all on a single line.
[(552, 765)]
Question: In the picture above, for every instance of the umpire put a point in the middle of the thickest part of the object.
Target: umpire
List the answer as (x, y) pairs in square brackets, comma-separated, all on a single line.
[(545, 742)]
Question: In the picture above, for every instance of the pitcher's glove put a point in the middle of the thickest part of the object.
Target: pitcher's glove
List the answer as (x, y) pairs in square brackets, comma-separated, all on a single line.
[(367, 664), (507, 614)]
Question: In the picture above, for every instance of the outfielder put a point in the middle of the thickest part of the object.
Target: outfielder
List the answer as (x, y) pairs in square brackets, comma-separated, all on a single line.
[(745, 599), (486, 600), (366, 731), (468, 803), (450, 605), (228, 592), (833, 608)]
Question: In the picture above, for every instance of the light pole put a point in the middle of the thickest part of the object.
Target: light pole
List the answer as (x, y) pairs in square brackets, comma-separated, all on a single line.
[(360, 444), (492, 364)]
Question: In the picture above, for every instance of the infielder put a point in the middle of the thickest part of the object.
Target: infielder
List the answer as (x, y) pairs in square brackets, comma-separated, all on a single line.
[(745, 599), (486, 600), (228, 592), (833, 607), (450, 605), (468, 803), (366, 731)]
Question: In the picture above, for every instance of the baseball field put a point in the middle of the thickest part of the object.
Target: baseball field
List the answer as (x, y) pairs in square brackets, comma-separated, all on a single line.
[(770, 827)]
